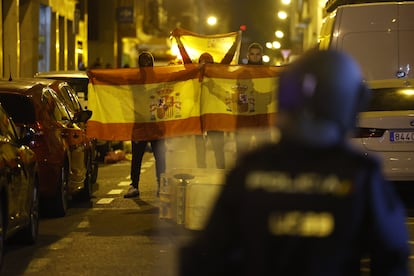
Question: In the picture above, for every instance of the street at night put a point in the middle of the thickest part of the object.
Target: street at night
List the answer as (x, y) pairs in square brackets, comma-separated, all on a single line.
[(112, 235)]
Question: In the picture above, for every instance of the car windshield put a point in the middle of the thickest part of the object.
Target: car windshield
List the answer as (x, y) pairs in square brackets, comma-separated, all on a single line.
[(25, 114), (392, 99)]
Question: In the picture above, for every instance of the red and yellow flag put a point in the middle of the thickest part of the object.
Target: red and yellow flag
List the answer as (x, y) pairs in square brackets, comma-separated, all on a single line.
[(224, 48), (238, 96), (168, 101), (144, 103)]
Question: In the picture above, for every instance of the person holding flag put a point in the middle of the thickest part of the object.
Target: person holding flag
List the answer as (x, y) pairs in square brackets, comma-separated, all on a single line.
[(145, 59)]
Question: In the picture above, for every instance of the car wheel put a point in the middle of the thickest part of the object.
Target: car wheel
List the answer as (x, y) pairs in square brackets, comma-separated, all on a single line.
[(62, 196), (2, 234), (30, 232)]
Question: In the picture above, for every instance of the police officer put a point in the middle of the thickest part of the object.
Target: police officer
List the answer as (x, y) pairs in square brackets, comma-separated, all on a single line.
[(310, 204)]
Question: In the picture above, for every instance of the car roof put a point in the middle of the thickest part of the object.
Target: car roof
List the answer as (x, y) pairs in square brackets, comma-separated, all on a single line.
[(62, 74), (20, 86)]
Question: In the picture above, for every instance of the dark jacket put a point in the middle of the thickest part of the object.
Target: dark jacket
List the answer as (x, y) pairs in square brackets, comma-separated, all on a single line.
[(289, 209)]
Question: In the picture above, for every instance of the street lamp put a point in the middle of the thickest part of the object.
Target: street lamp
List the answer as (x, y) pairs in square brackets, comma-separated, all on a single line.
[(276, 45), (212, 20), (282, 15), (279, 34)]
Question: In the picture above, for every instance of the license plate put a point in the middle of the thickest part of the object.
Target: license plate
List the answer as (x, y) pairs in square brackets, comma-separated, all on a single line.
[(402, 136)]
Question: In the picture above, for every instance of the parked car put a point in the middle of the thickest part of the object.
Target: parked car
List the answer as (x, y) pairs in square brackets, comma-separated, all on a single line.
[(68, 95), (19, 185), (386, 129), (79, 81), (62, 149)]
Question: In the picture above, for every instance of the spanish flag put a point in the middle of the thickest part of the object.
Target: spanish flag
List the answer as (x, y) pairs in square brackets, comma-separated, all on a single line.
[(168, 101), (144, 103), (224, 48), (235, 97)]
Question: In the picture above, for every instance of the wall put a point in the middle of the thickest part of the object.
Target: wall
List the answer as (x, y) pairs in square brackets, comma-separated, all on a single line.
[(19, 28), (102, 43)]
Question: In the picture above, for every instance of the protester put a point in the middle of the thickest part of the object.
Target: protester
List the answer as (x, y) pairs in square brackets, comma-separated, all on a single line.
[(310, 204), (245, 138), (145, 59), (255, 54), (216, 136)]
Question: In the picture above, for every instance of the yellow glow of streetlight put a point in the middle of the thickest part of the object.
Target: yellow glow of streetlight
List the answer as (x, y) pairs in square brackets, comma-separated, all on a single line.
[(269, 45), (212, 20), (286, 2), (276, 45), (282, 15), (279, 34)]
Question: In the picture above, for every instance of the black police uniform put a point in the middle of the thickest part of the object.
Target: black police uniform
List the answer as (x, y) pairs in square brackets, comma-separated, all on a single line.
[(284, 212)]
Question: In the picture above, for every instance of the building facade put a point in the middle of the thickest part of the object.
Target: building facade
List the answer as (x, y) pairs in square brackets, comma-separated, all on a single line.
[(47, 35), (42, 35)]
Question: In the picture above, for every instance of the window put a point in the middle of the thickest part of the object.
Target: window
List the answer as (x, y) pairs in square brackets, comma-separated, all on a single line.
[(392, 99)]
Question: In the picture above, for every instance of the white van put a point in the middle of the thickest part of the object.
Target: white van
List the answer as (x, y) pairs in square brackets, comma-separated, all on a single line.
[(380, 36)]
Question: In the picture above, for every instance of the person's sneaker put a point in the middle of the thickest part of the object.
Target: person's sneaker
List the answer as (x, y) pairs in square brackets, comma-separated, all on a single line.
[(132, 192)]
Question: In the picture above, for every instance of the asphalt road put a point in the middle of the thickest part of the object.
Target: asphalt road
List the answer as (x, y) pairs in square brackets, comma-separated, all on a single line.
[(111, 235)]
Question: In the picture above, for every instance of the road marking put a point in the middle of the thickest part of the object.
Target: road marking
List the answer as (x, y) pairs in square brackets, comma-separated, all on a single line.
[(118, 164), (120, 208), (115, 192), (60, 244), (124, 183), (84, 223), (104, 201), (147, 165), (37, 265)]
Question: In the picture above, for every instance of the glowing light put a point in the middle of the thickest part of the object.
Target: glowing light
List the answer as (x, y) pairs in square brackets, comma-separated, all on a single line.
[(265, 58), (269, 45), (282, 15), (279, 34), (276, 45), (212, 20), (407, 92), (174, 49), (286, 2)]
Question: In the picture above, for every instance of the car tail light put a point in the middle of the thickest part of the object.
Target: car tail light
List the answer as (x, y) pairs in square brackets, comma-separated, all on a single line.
[(368, 132)]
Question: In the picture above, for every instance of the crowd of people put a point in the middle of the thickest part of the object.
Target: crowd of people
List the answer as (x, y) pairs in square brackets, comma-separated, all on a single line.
[(215, 137)]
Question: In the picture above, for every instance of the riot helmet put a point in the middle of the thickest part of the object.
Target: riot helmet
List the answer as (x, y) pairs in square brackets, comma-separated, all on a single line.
[(319, 97)]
